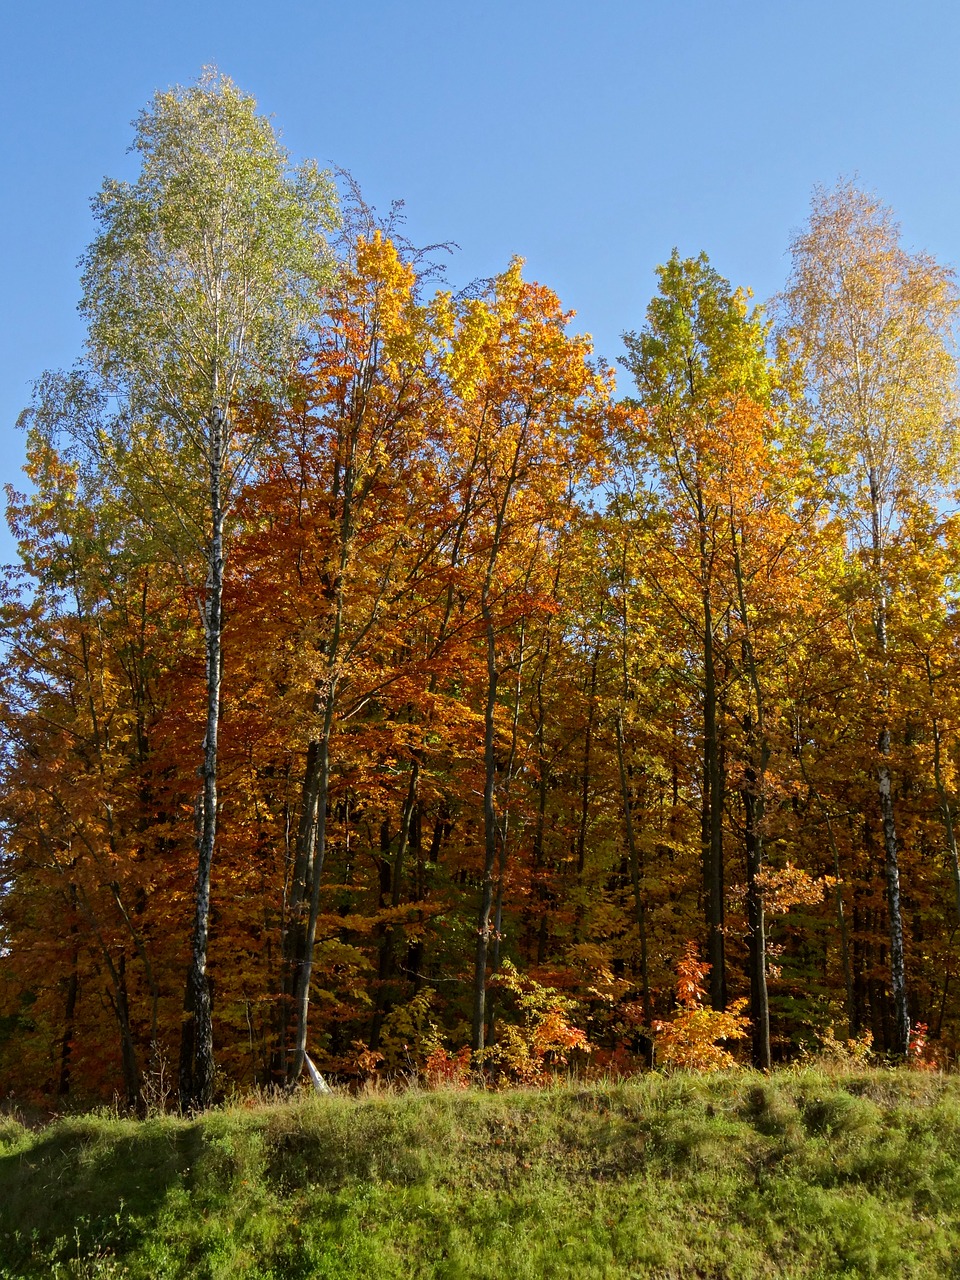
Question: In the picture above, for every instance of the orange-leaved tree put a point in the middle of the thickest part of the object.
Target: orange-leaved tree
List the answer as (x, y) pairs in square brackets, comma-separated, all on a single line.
[(690, 1038)]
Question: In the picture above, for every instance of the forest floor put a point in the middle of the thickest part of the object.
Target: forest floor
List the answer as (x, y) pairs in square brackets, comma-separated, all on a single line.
[(804, 1173)]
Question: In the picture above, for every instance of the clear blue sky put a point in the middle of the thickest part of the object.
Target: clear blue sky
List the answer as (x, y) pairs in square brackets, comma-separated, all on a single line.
[(589, 137)]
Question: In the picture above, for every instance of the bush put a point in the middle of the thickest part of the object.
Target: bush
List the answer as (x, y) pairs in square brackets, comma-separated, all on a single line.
[(690, 1038)]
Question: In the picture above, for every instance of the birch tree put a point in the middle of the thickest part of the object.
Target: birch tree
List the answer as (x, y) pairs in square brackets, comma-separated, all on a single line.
[(871, 326), (202, 275)]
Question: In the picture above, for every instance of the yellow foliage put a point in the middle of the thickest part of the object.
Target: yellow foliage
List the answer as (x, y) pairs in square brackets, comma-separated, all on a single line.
[(847, 1053), (525, 1053), (690, 1038)]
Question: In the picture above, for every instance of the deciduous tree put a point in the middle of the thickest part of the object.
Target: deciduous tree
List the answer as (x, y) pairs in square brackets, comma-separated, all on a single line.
[(871, 324), (203, 272)]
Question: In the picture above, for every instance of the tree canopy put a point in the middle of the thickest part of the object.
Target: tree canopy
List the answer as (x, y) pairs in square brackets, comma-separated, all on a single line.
[(378, 677)]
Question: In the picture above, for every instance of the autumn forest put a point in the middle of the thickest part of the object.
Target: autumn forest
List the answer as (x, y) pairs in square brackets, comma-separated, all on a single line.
[(385, 683)]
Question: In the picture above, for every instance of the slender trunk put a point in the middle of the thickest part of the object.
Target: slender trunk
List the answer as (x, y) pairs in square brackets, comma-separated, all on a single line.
[(633, 852), (403, 841), (503, 823), (293, 937), (152, 987), (635, 870), (898, 981), (946, 809), (100, 736), (196, 1049), (120, 1000), (901, 1014), (853, 1023), (756, 923), (384, 864), (116, 994), (413, 962), (713, 785), (585, 781), (489, 832), (315, 849), (386, 965), (754, 796), (538, 901), (312, 831), (491, 1010)]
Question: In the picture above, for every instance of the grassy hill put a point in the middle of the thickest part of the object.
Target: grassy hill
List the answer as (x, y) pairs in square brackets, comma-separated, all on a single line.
[(802, 1174)]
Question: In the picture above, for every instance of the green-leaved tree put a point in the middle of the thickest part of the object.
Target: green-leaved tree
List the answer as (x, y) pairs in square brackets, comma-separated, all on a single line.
[(204, 273)]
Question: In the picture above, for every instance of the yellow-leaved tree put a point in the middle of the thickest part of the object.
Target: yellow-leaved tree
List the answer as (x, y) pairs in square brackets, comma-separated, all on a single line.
[(870, 327)]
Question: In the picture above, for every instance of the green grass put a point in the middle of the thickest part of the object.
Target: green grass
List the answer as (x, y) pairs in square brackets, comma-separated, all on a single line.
[(802, 1174)]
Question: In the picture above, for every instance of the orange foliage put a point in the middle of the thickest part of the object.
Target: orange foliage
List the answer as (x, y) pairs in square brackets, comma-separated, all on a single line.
[(690, 1038)]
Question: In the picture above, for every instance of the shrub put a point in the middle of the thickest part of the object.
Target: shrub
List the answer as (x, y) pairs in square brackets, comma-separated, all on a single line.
[(690, 1038), (526, 1052)]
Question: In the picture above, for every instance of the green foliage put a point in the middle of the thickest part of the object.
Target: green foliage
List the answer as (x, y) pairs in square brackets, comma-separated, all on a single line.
[(795, 1175), (409, 1035), (206, 266), (702, 344)]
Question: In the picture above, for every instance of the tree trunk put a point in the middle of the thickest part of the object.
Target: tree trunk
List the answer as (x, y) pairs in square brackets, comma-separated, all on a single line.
[(634, 855), (196, 1050), (756, 924), (489, 834), (390, 894), (713, 795), (586, 777), (898, 981), (492, 834), (898, 984), (537, 907), (754, 797), (312, 830), (120, 1000), (853, 1023), (315, 849)]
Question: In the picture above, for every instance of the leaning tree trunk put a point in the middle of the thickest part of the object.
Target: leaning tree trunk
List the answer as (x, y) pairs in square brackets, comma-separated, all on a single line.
[(316, 841)]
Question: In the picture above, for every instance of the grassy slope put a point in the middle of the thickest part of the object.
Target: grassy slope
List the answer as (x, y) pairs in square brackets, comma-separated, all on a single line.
[(804, 1174)]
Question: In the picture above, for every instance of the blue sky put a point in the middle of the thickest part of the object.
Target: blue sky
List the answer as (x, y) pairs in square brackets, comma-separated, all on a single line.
[(591, 138)]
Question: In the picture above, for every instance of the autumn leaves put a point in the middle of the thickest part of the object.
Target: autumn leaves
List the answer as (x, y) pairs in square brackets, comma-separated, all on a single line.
[(495, 671)]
